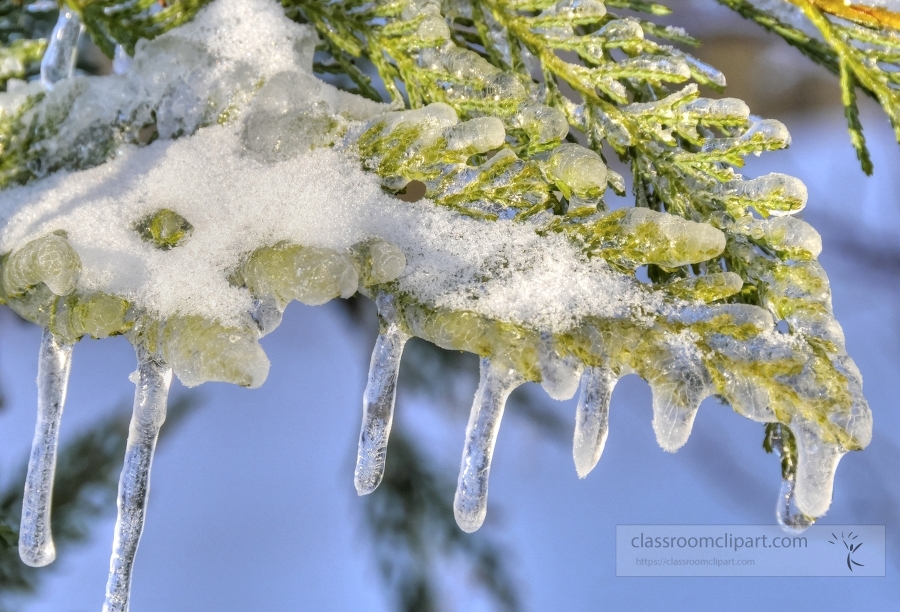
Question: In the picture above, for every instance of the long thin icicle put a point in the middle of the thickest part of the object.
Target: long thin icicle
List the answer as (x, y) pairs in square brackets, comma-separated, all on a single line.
[(35, 536), (379, 398), (151, 392), (592, 418), (470, 503), (59, 58)]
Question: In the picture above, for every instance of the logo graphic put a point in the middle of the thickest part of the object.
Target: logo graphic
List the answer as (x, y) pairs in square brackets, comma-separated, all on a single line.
[(848, 542)]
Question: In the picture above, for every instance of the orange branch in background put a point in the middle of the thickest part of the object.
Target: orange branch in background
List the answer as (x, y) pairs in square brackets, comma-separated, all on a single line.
[(871, 16)]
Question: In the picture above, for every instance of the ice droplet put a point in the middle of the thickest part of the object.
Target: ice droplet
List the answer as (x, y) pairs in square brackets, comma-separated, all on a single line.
[(592, 418), (150, 397), (379, 397), (59, 58), (35, 536), (50, 260), (788, 514), (470, 503)]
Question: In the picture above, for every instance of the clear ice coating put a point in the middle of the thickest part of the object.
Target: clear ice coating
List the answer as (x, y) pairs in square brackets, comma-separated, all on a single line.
[(151, 393), (35, 536), (379, 397), (59, 58), (470, 503), (592, 418)]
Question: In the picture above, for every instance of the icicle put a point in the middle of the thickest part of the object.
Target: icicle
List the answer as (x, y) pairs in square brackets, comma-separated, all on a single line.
[(676, 399), (592, 418), (559, 374), (152, 388), (35, 536), (673, 418), (817, 463), (470, 503), (788, 514), (59, 59), (121, 60), (378, 399)]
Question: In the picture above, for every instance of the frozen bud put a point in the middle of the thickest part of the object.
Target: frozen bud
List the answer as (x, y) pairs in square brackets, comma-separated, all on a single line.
[(466, 64), (727, 318), (790, 235), (433, 27), (722, 109), (379, 261), (772, 195), (707, 288), (705, 73), (50, 260), (476, 135), (636, 236), (282, 122), (621, 30), (770, 132), (503, 86), (665, 67), (578, 10), (577, 171), (202, 351), (414, 8), (164, 229), (98, 315), (311, 275), (542, 123), (437, 115)]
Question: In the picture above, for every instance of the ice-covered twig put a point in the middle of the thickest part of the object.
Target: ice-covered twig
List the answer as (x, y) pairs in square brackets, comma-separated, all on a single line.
[(36, 546), (379, 397), (151, 392), (470, 503)]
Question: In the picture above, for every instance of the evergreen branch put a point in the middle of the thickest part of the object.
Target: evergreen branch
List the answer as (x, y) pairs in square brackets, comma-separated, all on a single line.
[(812, 48), (25, 21), (111, 22), (860, 44), (23, 38), (20, 59), (865, 72), (848, 98)]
